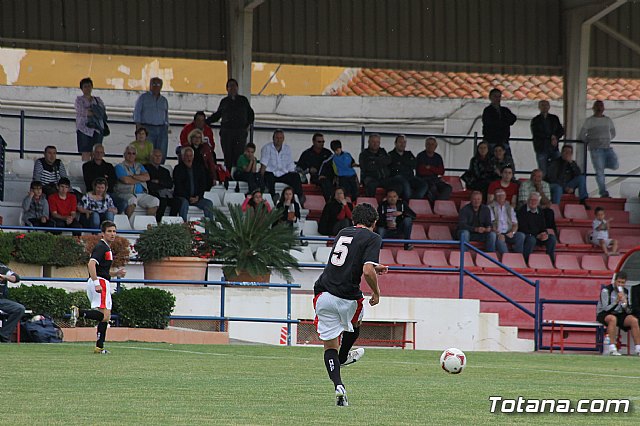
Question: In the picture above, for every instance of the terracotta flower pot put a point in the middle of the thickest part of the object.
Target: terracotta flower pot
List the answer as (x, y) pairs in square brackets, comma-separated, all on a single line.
[(177, 268), (248, 278)]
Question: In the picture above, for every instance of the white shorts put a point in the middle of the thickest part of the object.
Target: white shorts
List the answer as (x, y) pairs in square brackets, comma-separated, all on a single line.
[(99, 300), (141, 200), (335, 315)]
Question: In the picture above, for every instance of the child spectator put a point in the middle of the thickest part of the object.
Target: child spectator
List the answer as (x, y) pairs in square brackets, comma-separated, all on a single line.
[(290, 207), (35, 207), (63, 206), (600, 235), (254, 199), (339, 167), (246, 168)]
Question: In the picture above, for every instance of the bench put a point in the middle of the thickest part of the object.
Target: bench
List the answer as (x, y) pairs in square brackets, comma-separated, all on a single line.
[(560, 325)]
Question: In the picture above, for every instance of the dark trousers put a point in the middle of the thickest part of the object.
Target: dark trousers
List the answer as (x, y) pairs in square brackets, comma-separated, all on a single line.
[(402, 231), (253, 179), (13, 312), (530, 242), (233, 142), (37, 222), (172, 203), (59, 223), (292, 179), (437, 189)]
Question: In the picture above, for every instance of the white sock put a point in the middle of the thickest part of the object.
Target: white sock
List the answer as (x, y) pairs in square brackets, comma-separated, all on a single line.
[(613, 347), (638, 349)]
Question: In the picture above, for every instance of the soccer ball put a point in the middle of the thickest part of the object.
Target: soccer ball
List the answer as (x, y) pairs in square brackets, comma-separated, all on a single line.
[(453, 361)]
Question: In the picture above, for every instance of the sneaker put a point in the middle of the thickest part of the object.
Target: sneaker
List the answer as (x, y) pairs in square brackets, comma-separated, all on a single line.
[(101, 351), (614, 353), (341, 396), (408, 247), (584, 203), (75, 313), (354, 355)]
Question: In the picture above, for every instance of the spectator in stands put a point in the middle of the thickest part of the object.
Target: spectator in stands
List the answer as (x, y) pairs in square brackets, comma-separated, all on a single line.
[(339, 170), (501, 159), (11, 311), (600, 233), (237, 117), (534, 226), (98, 168), (143, 146), (152, 113), (546, 131), (535, 184), (597, 132), (311, 161), (199, 122), (396, 218), (403, 165), (564, 176), (374, 169), (496, 122), (35, 207), (96, 206), (160, 185), (132, 184), (430, 168), (336, 214), (481, 172), (614, 311), (190, 183), (247, 168), (254, 200), (49, 170), (204, 155), (507, 184), (474, 223), (276, 165), (63, 207), (290, 207), (505, 224), (90, 119)]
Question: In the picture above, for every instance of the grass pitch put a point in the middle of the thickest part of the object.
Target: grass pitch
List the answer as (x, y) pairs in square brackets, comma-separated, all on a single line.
[(245, 385)]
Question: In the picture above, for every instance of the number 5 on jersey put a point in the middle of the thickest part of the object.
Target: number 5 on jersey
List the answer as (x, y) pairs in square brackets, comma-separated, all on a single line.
[(340, 251)]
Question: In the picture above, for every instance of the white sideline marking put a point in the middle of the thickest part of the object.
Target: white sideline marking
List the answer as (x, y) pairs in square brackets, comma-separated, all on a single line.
[(579, 373)]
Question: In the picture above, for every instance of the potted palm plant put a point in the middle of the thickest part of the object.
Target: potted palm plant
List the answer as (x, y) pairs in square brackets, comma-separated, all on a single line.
[(253, 244)]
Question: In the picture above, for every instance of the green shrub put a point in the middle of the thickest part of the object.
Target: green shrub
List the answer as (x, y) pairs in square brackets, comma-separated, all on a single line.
[(35, 248), (68, 251), (43, 300), (163, 241), (144, 307), (6, 246)]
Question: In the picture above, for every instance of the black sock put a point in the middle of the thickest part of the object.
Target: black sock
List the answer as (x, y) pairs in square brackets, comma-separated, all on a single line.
[(91, 314), (102, 333), (333, 366), (348, 339)]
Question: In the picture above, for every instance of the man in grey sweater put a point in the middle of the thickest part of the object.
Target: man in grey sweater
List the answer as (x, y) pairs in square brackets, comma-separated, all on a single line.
[(597, 132)]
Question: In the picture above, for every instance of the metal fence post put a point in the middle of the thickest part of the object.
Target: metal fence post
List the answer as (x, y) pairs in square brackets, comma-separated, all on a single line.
[(362, 138), (222, 295), (537, 338), (461, 284), (22, 119), (289, 316)]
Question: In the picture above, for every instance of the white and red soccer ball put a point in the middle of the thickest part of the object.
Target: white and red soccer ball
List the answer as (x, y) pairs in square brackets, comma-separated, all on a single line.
[(453, 360)]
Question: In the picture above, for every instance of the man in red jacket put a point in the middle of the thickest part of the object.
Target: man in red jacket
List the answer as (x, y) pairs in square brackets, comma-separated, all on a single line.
[(430, 168)]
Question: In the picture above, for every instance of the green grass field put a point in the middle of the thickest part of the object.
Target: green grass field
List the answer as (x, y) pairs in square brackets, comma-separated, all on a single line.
[(237, 384)]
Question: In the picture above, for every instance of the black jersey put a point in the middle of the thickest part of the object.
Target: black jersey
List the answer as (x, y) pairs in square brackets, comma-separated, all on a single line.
[(352, 248), (103, 256)]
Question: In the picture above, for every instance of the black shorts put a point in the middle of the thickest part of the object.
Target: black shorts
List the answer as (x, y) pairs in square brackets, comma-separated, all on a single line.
[(619, 319)]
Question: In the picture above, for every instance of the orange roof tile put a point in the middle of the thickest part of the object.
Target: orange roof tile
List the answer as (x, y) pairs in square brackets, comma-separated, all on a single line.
[(384, 82)]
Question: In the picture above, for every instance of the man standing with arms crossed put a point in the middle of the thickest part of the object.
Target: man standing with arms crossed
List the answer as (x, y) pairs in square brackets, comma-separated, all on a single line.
[(338, 300)]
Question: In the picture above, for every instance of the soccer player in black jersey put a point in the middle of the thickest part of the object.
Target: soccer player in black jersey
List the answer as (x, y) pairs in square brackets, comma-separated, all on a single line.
[(98, 285), (338, 300)]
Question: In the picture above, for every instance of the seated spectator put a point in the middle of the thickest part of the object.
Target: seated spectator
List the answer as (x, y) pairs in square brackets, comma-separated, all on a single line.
[(532, 223), (507, 184), (35, 207), (403, 165), (13, 311), (204, 155), (63, 207), (190, 183), (536, 184), (501, 159), (600, 233), (338, 169), (505, 224), (48, 170), (474, 223), (197, 123), (277, 166), (396, 218), (481, 171), (96, 206), (132, 184), (143, 146), (91, 118), (430, 168), (374, 169), (311, 160), (247, 168), (98, 168), (254, 200), (614, 311), (160, 185), (336, 214), (290, 207), (564, 176)]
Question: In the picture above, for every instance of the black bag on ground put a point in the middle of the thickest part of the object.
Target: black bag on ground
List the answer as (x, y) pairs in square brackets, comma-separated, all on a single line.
[(43, 330)]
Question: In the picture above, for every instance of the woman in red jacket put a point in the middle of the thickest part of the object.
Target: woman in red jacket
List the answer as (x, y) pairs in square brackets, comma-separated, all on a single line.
[(204, 153)]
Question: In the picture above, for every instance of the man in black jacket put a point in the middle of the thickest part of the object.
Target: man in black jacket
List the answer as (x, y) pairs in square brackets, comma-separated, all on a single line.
[(546, 131), (190, 180), (564, 176), (532, 223), (396, 218), (474, 223), (496, 122), (10, 311), (237, 115), (374, 169), (160, 185), (403, 165)]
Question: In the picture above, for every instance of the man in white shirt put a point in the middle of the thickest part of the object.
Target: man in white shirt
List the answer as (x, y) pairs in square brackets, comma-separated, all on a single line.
[(276, 165), (505, 224)]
